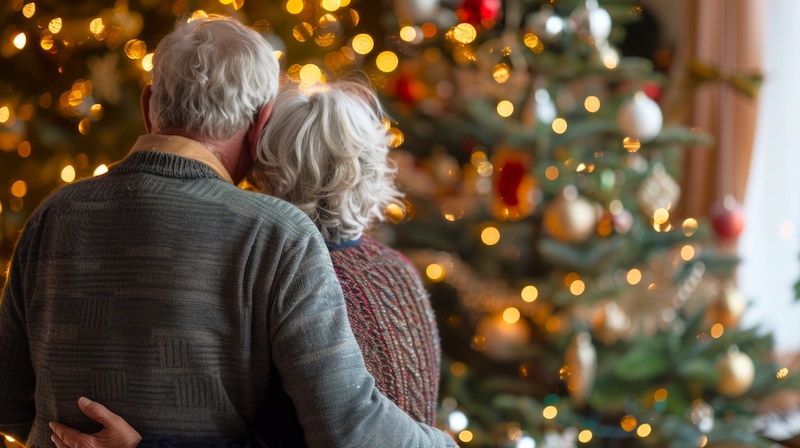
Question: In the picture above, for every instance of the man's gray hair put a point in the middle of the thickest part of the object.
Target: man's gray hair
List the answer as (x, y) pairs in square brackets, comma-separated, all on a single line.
[(211, 76), (325, 150)]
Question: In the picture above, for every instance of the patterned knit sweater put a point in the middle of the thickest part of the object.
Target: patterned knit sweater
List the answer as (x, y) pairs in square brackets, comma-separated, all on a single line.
[(166, 293), (393, 322)]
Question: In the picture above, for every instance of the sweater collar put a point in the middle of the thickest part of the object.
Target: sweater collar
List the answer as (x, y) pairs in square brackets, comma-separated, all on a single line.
[(183, 147), (343, 244)]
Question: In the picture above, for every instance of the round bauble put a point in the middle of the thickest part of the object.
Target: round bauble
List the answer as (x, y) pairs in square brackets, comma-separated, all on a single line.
[(477, 11), (640, 118), (580, 367), (503, 340), (727, 218), (729, 307), (570, 220), (418, 10), (736, 373)]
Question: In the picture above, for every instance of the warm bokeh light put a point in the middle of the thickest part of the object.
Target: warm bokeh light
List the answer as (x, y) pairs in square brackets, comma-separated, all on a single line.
[(531, 40), (5, 114), (135, 49), (550, 412), (529, 293), (644, 430), (577, 287), (408, 33), (585, 436), (628, 423), (559, 125), (29, 10), (310, 74), (100, 170), (363, 43), (717, 330), (687, 252), (631, 144), (661, 216), (68, 173), (702, 441), (660, 395), (19, 189), (465, 436), (147, 62), (47, 42), (689, 226), (84, 126), (303, 32), (331, 5), (434, 272), (55, 25), (19, 40), (96, 26), (387, 61), (10, 439), (634, 276), (490, 236), (783, 372), (458, 369), (397, 137), (505, 108), (394, 213), (501, 72), (463, 33), (551, 173), (592, 104), (294, 6), (24, 149), (511, 315), (429, 29)]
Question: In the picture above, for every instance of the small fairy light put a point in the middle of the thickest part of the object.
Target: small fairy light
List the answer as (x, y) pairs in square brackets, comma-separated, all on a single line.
[(783, 372), (689, 226), (135, 49), (717, 330), (457, 421), (501, 72), (531, 40), (47, 42), (331, 5), (505, 108), (660, 395), (592, 104), (634, 276), (387, 61), (465, 436), (577, 287), (644, 430), (19, 189), (429, 29), (199, 14), (490, 236), (631, 144), (550, 412), (463, 33), (5, 114), (84, 126), (96, 111), (394, 213), (511, 315), (458, 369), (68, 174), (559, 125), (29, 10), (24, 149), (10, 439), (702, 441), (363, 43), (55, 25), (687, 252), (147, 62), (100, 170), (551, 173), (397, 137), (434, 272), (303, 32), (585, 436), (310, 74), (661, 216), (294, 6), (408, 33), (19, 40), (628, 423), (529, 293), (96, 26)]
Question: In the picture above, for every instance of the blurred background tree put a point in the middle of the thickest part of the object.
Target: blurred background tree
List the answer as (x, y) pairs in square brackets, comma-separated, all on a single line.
[(575, 306)]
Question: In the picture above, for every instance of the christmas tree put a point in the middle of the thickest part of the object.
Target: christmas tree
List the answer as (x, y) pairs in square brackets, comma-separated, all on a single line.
[(575, 306)]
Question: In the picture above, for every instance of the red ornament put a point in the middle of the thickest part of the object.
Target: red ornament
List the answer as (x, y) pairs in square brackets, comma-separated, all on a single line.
[(508, 181), (476, 11), (727, 219)]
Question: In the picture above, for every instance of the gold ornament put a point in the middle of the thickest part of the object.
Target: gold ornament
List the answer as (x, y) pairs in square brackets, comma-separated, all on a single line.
[(728, 307), (501, 340), (659, 190), (610, 323), (736, 373), (570, 218), (580, 367)]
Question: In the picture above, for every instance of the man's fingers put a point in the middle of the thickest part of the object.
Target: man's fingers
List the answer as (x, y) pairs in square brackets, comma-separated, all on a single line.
[(66, 437), (96, 411)]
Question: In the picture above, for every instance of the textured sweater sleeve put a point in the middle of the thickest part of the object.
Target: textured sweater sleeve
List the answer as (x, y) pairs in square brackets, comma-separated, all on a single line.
[(317, 355), (17, 409)]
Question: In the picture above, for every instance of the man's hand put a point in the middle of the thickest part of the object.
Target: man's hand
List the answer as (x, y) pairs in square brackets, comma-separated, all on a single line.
[(116, 432)]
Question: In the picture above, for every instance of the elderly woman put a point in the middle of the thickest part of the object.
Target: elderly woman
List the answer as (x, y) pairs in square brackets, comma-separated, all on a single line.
[(325, 151)]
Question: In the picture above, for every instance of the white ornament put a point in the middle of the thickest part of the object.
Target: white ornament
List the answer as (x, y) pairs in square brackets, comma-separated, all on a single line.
[(418, 10), (641, 118), (599, 21), (457, 421)]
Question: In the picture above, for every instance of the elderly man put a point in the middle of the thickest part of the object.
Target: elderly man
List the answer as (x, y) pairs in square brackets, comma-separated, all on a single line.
[(165, 292)]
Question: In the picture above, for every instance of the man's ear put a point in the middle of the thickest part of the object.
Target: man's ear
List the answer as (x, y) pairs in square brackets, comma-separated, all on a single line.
[(254, 133), (144, 103)]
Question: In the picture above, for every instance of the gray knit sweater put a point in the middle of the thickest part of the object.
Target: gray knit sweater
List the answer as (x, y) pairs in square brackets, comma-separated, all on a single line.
[(165, 293)]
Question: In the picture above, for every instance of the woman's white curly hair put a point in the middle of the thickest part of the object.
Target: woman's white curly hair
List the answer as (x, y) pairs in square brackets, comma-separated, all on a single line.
[(211, 76), (325, 150)]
